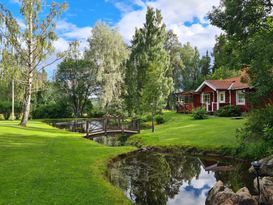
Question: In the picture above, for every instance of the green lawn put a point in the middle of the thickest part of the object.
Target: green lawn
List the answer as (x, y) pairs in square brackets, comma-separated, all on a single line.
[(182, 130), (43, 165)]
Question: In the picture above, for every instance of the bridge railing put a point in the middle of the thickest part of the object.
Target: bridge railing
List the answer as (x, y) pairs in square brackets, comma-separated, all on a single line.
[(108, 124)]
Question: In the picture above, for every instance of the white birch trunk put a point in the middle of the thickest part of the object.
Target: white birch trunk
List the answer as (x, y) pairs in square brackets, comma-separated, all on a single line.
[(28, 91)]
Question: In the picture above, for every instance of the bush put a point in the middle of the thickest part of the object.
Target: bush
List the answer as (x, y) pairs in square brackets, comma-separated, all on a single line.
[(96, 114), (52, 110), (5, 109), (199, 114), (258, 132), (229, 111), (159, 119)]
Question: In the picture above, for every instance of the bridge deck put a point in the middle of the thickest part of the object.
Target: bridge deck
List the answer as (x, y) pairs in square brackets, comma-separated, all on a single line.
[(94, 134)]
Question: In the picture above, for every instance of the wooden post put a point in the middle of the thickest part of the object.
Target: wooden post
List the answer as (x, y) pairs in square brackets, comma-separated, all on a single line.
[(138, 125), (87, 128), (122, 125), (105, 125)]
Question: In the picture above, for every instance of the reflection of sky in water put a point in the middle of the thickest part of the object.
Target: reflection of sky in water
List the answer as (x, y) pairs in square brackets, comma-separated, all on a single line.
[(195, 192)]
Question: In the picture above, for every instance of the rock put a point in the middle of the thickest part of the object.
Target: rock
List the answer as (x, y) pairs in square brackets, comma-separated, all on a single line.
[(220, 195), (266, 187), (266, 167), (218, 187), (245, 197)]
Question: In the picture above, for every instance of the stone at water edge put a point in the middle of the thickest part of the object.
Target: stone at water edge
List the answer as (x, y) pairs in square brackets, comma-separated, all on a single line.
[(220, 195), (266, 187), (266, 167), (245, 197)]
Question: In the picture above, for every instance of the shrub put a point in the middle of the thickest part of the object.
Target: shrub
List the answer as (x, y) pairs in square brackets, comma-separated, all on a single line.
[(96, 114), (159, 119), (229, 111), (5, 109), (199, 114), (52, 110), (258, 132)]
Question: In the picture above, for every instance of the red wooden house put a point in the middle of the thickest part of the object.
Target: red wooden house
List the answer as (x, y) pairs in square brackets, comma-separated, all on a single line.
[(214, 94)]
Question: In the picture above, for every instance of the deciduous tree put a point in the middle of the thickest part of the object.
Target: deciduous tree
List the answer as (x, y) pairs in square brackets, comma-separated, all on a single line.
[(32, 44)]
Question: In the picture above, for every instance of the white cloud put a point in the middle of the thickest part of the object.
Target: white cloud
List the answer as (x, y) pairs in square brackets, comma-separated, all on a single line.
[(67, 33), (175, 13)]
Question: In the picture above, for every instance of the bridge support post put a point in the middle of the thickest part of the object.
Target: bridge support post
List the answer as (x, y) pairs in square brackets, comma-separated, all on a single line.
[(122, 125), (138, 125), (105, 125), (87, 128)]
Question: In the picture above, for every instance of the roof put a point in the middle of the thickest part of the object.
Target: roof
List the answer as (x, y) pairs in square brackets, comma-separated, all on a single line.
[(226, 84)]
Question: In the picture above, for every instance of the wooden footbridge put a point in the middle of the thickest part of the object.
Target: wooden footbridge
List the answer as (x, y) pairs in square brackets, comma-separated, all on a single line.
[(111, 125)]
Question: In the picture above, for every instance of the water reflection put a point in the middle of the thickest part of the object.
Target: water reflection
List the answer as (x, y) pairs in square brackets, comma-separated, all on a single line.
[(112, 140), (158, 178)]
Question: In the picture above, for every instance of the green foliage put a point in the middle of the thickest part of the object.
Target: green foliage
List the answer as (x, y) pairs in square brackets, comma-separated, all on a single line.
[(229, 111), (94, 113), (52, 110), (75, 80), (258, 130), (193, 67), (5, 109), (108, 53), (199, 114), (147, 79), (160, 119), (249, 32), (223, 73), (226, 55), (33, 43)]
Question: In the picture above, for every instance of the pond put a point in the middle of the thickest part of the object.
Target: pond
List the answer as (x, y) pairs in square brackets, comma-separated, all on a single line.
[(112, 140), (75, 125), (156, 178), (80, 126)]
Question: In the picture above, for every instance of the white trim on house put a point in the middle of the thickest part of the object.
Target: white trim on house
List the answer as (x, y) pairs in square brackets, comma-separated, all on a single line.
[(237, 98), (219, 97), (217, 92), (202, 98), (205, 83), (229, 88), (230, 97)]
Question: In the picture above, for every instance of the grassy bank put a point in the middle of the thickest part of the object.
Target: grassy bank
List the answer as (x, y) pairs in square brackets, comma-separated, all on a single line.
[(181, 130), (44, 165)]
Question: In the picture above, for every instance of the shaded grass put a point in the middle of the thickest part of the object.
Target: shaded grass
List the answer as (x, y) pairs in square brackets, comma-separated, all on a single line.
[(182, 130), (44, 165)]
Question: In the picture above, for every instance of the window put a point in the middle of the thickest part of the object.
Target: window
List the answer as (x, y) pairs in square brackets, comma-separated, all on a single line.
[(206, 98), (240, 97), (186, 99), (222, 97)]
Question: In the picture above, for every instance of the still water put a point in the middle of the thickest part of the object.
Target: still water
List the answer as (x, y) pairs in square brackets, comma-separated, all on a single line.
[(154, 178)]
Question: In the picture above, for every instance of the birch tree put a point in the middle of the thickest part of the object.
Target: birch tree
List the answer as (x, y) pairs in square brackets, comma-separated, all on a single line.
[(32, 43), (108, 53)]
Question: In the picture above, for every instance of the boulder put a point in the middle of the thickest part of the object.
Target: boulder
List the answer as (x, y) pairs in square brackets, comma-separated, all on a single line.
[(266, 187), (221, 195), (266, 167)]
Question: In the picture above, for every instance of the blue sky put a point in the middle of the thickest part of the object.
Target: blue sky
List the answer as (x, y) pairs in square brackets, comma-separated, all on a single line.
[(187, 18)]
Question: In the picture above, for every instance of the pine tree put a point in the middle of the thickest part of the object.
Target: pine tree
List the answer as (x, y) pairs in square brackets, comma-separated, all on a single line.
[(147, 80)]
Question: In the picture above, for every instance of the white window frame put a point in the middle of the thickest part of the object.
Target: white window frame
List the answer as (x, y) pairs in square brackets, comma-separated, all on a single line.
[(238, 92), (202, 99), (219, 97)]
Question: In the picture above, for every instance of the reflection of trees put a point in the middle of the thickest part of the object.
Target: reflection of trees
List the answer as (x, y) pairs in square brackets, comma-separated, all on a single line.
[(182, 169), (238, 178), (152, 178)]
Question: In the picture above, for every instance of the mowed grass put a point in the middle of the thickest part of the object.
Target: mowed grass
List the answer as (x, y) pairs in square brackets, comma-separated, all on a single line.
[(44, 165), (181, 130)]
